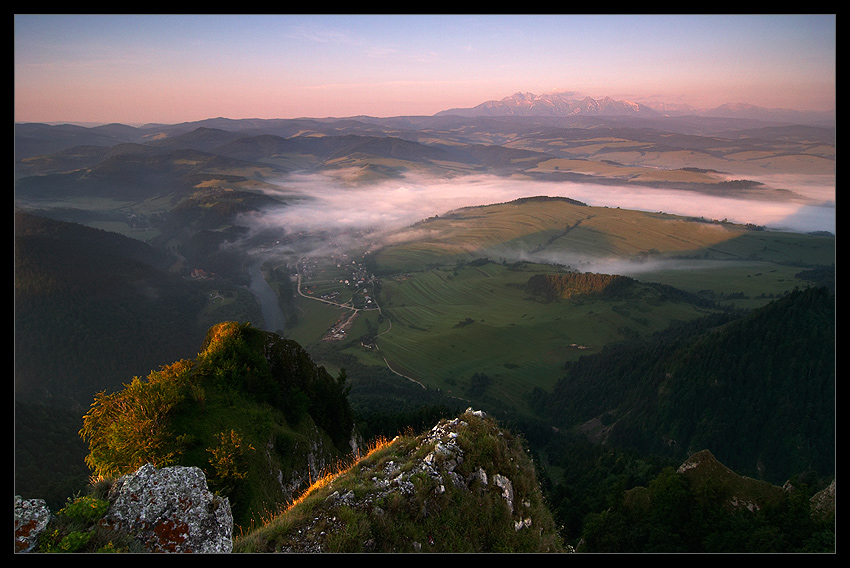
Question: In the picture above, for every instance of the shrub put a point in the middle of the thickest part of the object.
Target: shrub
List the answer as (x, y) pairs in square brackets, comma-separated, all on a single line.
[(229, 462), (85, 510), (129, 428), (75, 528)]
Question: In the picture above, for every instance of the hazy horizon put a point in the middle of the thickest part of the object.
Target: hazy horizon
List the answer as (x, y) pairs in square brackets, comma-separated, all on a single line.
[(138, 69)]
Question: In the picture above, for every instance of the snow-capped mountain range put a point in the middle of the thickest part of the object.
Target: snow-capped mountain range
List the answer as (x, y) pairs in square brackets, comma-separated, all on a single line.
[(552, 104), (568, 104)]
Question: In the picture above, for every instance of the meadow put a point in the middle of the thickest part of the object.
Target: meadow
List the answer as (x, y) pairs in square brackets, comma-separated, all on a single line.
[(455, 313)]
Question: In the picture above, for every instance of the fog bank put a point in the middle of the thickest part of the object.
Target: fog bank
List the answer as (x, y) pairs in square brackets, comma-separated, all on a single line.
[(323, 213), (330, 205)]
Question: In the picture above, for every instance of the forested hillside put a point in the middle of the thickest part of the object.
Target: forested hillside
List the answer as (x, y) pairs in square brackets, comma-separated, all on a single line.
[(704, 507), (93, 309), (554, 287), (82, 293), (758, 391), (252, 411)]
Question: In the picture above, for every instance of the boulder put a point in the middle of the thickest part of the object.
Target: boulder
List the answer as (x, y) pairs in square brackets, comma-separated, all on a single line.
[(31, 518), (170, 510)]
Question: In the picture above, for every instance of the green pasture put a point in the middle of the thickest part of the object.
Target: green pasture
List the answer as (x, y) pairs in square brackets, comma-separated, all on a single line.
[(314, 319), (448, 315), (571, 234), (742, 284), (779, 247), (449, 324)]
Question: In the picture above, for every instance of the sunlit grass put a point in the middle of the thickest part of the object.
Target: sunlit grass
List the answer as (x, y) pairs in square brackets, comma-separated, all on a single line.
[(342, 468), (458, 519), (289, 513)]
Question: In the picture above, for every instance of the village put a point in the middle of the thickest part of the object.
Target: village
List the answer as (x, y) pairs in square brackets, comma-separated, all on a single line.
[(338, 281)]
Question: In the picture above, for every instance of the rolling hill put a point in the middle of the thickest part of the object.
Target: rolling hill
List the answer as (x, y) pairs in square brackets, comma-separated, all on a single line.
[(454, 302), (131, 242), (567, 232)]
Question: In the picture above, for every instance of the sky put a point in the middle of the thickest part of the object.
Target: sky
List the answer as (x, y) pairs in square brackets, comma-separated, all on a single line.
[(138, 69)]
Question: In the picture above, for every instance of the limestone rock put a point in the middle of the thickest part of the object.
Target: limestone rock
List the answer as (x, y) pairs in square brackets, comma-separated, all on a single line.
[(823, 502), (171, 510), (31, 518)]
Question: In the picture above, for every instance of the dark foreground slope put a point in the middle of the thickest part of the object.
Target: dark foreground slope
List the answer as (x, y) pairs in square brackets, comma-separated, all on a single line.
[(464, 486)]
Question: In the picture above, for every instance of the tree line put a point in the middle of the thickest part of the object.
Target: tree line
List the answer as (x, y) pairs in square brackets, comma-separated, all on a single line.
[(757, 390), (553, 287)]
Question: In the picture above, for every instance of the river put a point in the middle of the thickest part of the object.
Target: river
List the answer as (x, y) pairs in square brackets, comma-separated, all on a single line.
[(274, 318)]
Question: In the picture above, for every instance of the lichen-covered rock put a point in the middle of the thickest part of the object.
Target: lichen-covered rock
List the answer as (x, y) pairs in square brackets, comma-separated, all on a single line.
[(31, 518), (171, 510), (823, 502), (462, 486)]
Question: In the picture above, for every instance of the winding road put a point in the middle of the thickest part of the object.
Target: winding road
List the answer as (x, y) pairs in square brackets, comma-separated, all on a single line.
[(356, 310)]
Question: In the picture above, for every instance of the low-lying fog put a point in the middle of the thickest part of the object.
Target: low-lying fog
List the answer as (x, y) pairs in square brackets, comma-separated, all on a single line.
[(331, 205), (322, 204)]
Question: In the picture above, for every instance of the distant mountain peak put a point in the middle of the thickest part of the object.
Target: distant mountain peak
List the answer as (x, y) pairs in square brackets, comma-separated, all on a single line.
[(553, 104), (570, 103)]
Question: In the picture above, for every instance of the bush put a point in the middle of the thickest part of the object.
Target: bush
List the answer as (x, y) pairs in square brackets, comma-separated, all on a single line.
[(129, 428), (85, 510), (229, 462), (75, 528)]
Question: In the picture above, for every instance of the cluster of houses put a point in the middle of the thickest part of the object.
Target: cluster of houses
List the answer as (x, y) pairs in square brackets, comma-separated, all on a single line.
[(199, 274), (339, 330)]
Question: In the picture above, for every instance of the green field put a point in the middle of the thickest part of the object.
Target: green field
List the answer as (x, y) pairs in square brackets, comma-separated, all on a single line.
[(451, 324), (447, 314), (552, 228), (441, 326)]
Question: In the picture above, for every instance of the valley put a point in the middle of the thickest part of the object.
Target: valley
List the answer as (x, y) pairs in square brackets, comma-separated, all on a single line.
[(384, 233), (404, 254), (429, 293)]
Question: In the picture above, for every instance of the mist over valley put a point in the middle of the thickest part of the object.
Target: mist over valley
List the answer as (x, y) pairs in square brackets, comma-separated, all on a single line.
[(440, 263), (318, 201), (234, 200), (365, 283)]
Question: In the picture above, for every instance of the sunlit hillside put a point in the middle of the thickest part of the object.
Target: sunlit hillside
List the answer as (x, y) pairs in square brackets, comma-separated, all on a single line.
[(569, 233), (466, 485)]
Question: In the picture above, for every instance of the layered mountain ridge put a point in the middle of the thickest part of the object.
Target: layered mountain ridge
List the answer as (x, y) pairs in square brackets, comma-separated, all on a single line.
[(93, 310)]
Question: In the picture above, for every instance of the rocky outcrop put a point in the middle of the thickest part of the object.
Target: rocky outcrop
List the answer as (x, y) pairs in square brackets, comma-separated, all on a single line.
[(170, 510), (823, 502), (440, 464), (162, 510), (31, 518), (405, 498)]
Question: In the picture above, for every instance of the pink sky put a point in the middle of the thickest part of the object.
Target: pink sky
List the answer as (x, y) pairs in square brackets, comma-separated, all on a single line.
[(139, 69)]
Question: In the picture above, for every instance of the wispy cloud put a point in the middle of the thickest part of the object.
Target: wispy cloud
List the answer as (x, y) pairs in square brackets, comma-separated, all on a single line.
[(304, 32)]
